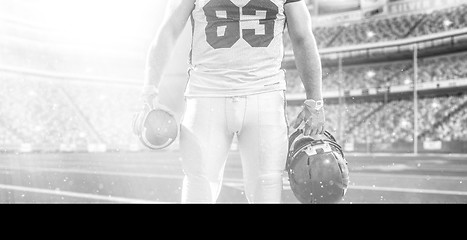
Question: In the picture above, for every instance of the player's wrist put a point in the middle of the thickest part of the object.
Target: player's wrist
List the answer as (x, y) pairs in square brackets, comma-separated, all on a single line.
[(149, 95), (313, 104)]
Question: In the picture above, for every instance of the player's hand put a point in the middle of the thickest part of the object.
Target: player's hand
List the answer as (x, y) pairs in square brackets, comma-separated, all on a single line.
[(314, 121), (149, 100)]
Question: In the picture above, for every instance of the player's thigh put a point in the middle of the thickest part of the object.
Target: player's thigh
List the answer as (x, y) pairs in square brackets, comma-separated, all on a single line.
[(263, 141), (204, 139)]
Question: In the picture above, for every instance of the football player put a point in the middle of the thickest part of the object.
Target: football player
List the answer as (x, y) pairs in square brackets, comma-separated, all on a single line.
[(236, 87)]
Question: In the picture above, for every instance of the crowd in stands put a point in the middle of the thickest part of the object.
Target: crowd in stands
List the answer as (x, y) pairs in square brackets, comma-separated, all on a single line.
[(112, 110), (41, 112), (389, 28), (454, 128), (380, 75), (33, 111), (379, 122)]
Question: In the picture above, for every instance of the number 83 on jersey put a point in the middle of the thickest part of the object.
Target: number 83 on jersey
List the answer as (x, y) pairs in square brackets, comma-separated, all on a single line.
[(228, 23)]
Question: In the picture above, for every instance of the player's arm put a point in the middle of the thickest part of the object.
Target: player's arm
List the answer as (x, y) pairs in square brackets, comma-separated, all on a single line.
[(160, 51), (308, 64)]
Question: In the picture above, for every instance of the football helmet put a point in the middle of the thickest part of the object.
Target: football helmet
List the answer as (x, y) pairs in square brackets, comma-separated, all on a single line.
[(156, 127), (317, 169)]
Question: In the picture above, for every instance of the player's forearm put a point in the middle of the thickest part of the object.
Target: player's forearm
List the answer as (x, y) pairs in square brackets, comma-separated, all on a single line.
[(158, 56), (308, 63), (160, 51)]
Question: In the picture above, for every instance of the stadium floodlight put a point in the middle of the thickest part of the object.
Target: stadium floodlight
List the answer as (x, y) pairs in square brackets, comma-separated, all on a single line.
[(405, 124), (32, 93), (447, 23), (371, 74), (370, 34), (407, 81)]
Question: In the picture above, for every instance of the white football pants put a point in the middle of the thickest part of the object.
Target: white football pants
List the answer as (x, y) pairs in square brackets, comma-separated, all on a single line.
[(206, 134)]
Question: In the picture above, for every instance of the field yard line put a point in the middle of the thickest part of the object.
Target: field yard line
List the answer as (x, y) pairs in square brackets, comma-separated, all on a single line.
[(409, 190), (152, 175), (371, 188), (143, 165), (94, 172), (109, 173), (409, 176), (74, 194), (384, 189), (237, 183), (451, 156)]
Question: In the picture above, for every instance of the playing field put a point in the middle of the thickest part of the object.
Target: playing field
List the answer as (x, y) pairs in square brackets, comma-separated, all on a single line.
[(157, 177)]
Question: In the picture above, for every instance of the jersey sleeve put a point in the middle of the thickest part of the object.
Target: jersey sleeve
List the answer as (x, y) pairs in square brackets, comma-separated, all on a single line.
[(291, 1)]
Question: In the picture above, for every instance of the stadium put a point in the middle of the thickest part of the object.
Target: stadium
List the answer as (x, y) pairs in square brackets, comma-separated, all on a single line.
[(394, 81)]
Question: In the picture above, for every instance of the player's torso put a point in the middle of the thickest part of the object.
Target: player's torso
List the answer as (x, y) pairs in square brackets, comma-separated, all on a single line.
[(237, 41), (227, 23)]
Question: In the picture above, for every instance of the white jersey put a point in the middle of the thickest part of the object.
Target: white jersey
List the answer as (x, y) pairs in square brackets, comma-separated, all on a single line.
[(237, 47)]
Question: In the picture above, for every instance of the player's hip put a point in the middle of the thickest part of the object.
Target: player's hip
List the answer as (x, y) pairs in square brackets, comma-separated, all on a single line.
[(236, 113)]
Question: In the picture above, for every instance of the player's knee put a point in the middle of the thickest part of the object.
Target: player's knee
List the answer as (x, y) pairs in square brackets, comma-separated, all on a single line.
[(264, 182), (266, 188), (195, 176), (200, 178), (199, 188), (270, 178)]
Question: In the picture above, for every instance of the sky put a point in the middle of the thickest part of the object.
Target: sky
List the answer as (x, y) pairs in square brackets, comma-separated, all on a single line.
[(100, 20)]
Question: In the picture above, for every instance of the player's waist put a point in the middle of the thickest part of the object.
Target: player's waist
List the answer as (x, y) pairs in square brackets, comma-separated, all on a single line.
[(224, 85)]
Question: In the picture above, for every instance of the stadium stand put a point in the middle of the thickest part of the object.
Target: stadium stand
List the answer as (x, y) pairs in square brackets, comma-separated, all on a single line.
[(433, 69), (390, 122), (61, 113), (390, 28), (52, 113)]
